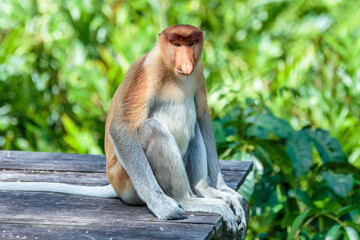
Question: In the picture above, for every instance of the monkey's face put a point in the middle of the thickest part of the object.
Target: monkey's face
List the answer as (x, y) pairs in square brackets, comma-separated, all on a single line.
[(184, 47), (184, 57)]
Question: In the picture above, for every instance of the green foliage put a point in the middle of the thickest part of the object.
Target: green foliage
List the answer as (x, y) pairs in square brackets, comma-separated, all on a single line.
[(298, 147), (278, 73), (297, 191)]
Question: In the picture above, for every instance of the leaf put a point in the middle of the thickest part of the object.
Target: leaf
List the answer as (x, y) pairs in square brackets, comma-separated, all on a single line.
[(255, 131), (353, 224), (328, 147), (341, 184), (296, 224), (277, 126), (247, 188), (302, 196), (280, 91), (219, 133), (80, 139), (250, 101), (333, 233), (341, 167), (345, 210), (298, 147), (73, 132), (272, 152), (352, 233)]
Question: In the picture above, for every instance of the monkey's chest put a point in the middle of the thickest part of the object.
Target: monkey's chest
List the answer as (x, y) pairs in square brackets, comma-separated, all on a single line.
[(179, 117)]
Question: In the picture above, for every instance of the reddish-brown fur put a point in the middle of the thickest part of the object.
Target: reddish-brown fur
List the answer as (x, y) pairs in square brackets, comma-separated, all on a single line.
[(131, 96), (134, 99), (200, 97), (178, 38)]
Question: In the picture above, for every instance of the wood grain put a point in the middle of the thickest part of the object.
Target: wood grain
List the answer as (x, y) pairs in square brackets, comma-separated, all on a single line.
[(62, 216)]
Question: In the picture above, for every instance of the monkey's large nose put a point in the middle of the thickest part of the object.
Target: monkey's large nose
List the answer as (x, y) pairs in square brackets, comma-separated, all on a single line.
[(185, 69), (184, 63)]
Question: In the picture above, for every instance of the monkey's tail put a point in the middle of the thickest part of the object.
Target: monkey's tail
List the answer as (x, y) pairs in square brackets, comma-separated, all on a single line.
[(94, 191)]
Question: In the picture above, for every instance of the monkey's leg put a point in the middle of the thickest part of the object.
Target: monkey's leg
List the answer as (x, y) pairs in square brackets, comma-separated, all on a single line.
[(165, 159), (130, 154), (197, 170), (166, 162)]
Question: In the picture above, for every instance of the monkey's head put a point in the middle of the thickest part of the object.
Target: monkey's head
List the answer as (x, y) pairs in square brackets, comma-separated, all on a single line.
[(181, 47)]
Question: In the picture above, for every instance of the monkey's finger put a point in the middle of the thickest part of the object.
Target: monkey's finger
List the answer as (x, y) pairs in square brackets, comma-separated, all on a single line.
[(242, 225), (237, 208)]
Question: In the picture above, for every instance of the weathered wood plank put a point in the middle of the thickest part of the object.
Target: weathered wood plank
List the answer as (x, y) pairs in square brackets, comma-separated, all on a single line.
[(78, 178), (52, 161), (80, 209), (132, 230), (234, 179), (18, 160), (59, 212), (235, 166)]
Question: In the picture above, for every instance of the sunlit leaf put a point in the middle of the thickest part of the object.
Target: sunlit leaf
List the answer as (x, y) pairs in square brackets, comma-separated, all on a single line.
[(333, 233), (247, 188), (352, 233)]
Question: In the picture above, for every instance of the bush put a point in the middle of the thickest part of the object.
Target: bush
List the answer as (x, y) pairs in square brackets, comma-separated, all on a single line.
[(305, 187)]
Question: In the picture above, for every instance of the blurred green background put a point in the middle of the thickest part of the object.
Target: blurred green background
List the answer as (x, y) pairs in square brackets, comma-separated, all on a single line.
[(283, 80)]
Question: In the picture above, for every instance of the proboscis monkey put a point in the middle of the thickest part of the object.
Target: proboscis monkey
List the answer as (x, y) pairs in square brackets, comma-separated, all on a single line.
[(159, 143)]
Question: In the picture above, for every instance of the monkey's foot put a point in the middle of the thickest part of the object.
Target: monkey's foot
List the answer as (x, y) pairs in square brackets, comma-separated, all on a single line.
[(165, 207)]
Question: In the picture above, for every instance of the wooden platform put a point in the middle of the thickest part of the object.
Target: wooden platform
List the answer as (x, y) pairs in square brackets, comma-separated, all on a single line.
[(40, 215)]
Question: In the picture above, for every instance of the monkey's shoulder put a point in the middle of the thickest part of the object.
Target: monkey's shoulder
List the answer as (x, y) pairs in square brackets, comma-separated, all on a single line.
[(135, 71)]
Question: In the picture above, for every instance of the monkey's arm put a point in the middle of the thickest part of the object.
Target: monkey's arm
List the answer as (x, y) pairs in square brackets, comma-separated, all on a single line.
[(214, 172), (131, 156), (216, 178), (203, 117)]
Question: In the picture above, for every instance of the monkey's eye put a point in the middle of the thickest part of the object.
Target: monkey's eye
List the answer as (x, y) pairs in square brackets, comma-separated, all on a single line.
[(178, 44), (191, 44)]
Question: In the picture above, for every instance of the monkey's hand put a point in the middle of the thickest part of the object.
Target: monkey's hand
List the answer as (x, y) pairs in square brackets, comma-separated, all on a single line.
[(165, 207), (235, 200)]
